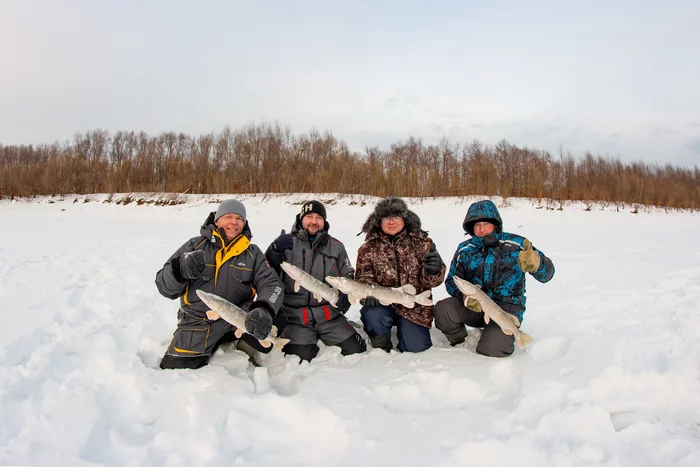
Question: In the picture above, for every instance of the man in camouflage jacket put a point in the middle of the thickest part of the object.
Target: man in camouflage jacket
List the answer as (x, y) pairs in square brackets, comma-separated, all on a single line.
[(397, 252), (497, 261)]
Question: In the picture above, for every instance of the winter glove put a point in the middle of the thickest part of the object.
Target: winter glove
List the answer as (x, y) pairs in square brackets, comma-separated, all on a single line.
[(343, 303), (258, 323), (370, 302), (283, 242), (528, 259), (473, 304), (432, 263), (192, 264), (490, 240)]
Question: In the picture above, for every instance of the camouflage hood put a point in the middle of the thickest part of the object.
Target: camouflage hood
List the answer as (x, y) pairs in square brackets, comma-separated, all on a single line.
[(389, 207)]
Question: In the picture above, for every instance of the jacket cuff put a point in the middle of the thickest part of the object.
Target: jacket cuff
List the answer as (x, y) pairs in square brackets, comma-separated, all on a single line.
[(264, 305), (175, 266)]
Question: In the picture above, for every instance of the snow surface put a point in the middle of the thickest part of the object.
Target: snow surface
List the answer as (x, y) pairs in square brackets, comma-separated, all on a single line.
[(612, 378)]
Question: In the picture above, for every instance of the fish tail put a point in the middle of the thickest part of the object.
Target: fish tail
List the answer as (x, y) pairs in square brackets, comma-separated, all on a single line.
[(280, 343), (523, 339), (424, 298)]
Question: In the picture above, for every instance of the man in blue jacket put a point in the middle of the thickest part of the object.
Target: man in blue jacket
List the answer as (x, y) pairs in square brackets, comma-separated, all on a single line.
[(497, 261)]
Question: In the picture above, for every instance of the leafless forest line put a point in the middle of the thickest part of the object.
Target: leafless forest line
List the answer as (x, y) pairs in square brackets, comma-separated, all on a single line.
[(269, 158)]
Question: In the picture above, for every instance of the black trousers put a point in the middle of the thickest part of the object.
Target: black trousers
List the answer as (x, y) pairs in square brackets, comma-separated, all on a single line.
[(194, 341), (451, 316)]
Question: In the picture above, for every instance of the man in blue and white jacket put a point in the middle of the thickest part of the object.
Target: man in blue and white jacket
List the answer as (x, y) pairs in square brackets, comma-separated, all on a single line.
[(497, 261)]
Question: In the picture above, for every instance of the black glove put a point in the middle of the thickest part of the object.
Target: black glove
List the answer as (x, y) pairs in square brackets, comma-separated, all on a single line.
[(432, 263), (343, 302), (192, 265), (283, 242), (258, 323), (491, 241), (370, 302)]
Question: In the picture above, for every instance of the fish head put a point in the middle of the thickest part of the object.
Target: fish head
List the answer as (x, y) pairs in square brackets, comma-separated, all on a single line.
[(290, 269), (214, 302), (466, 287), (204, 296), (230, 312)]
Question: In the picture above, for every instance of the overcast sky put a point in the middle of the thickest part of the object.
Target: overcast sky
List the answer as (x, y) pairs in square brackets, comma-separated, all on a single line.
[(617, 78)]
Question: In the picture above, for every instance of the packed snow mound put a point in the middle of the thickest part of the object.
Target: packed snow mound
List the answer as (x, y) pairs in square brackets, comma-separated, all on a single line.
[(612, 377)]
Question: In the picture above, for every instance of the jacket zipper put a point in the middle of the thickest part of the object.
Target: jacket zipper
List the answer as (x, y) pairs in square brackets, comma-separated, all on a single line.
[(303, 267), (398, 268)]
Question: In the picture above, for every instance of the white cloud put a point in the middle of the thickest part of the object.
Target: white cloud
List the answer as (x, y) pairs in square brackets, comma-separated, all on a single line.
[(544, 75)]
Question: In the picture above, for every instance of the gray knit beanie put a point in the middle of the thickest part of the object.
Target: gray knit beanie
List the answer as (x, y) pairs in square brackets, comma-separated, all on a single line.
[(230, 206)]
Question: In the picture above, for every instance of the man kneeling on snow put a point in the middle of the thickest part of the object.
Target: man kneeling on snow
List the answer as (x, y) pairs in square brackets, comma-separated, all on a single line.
[(222, 261), (311, 248), (497, 262)]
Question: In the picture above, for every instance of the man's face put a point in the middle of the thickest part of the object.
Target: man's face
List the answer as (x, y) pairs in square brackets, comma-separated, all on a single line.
[(482, 229), (231, 224), (312, 223)]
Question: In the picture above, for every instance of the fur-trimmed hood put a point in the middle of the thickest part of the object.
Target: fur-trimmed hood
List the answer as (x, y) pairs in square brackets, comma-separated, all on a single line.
[(388, 207)]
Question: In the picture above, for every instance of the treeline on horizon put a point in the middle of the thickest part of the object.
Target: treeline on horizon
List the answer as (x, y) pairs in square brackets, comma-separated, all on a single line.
[(269, 158)]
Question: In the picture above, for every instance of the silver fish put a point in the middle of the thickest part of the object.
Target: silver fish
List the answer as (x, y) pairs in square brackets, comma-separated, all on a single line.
[(222, 308), (404, 295), (509, 323), (318, 289)]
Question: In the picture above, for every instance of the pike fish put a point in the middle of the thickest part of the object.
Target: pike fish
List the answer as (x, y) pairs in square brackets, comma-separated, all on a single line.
[(509, 323), (404, 295), (222, 308), (317, 288)]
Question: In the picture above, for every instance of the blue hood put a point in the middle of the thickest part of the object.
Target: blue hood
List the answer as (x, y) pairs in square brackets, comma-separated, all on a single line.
[(482, 211)]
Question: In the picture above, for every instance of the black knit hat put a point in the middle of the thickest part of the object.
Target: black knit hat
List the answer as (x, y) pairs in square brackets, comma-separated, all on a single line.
[(312, 207)]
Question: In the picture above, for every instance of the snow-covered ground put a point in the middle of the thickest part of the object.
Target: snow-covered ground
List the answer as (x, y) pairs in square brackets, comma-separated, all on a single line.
[(612, 378)]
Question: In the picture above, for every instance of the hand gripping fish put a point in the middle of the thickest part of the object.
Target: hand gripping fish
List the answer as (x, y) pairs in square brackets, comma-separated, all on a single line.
[(222, 308), (508, 323), (404, 295), (317, 288)]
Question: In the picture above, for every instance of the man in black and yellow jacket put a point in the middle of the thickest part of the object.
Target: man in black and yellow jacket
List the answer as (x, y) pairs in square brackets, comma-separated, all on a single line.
[(222, 261)]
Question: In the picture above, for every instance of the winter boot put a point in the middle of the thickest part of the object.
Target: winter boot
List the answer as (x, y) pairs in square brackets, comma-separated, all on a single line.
[(381, 342), (254, 357), (458, 337)]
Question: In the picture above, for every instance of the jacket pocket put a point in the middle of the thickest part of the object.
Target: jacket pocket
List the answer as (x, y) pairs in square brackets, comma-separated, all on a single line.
[(324, 313), (509, 307), (209, 272), (191, 340), (295, 315), (241, 273)]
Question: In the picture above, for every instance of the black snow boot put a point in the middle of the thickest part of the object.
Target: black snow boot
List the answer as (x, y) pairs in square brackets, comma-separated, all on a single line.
[(306, 352), (381, 342), (353, 344), (170, 362), (458, 337), (254, 357)]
